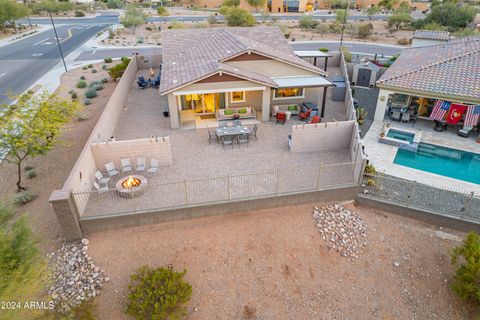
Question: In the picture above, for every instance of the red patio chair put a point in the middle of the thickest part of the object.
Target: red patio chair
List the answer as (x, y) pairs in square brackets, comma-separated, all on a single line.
[(281, 117), (315, 119), (303, 116)]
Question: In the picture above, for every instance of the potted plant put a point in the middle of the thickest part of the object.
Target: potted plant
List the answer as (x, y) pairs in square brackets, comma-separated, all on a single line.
[(361, 115)]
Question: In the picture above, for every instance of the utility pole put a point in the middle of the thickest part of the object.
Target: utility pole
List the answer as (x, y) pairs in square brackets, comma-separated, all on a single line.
[(58, 41), (344, 23), (28, 15)]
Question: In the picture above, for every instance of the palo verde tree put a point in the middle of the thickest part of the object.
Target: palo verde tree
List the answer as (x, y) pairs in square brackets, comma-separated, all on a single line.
[(257, 3), (11, 11), (133, 17), (31, 126), (373, 10)]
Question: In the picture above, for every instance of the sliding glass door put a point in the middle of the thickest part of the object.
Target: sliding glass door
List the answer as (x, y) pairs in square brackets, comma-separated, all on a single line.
[(203, 103)]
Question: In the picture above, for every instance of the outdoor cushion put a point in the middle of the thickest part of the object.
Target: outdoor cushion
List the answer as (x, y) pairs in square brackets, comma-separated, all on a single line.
[(292, 108), (242, 110), (228, 112)]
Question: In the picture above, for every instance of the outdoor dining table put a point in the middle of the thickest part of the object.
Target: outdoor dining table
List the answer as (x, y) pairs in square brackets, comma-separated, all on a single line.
[(232, 131)]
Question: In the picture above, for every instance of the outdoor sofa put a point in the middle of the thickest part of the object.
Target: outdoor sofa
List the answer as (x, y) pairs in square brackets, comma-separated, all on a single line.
[(294, 109), (230, 113)]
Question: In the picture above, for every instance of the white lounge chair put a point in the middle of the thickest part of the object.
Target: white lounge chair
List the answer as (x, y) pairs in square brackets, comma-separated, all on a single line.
[(98, 188), (153, 166), (140, 167), (101, 179), (111, 169), (465, 131), (126, 165)]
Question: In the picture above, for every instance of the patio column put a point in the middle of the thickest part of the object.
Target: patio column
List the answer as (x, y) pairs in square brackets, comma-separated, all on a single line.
[(381, 104), (173, 109), (322, 100), (67, 215), (266, 95)]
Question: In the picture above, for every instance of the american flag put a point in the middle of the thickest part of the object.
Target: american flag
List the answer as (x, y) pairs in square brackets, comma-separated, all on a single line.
[(440, 109), (472, 115)]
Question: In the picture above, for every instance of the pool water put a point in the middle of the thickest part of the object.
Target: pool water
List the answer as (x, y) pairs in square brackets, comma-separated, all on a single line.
[(401, 135), (443, 161)]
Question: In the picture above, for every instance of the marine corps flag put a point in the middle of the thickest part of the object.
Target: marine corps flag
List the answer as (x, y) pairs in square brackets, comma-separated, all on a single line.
[(455, 113)]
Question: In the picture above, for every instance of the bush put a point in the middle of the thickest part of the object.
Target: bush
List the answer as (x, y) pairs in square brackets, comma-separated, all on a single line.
[(115, 4), (176, 25), (117, 71), (467, 278), (324, 50), (82, 84), (237, 17), (84, 68), (81, 116), (158, 294), (91, 93), (74, 95), (364, 30), (24, 197), (90, 66), (28, 167), (335, 27), (87, 101), (212, 19), (82, 77), (94, 70), (98, 87), (307, 22), (148, 28), (94, 83), (31, 174), (104, 67), (104, 80), (403, 41), (79, 14), (108, 60)]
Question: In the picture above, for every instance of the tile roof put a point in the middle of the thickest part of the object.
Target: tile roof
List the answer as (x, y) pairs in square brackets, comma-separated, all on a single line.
[(431, 35), (452, 69), (193, 54)]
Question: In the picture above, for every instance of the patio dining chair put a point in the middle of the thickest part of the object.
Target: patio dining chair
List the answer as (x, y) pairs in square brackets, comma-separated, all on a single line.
[(140, 166), (237, 123), (242, 139), (153, 166), (111, 169), (281, 117), (405, 117), (253, 133), (315, 119), (212, 137), (396, 115), (126, 165), (222, 124), (98, 188), (101, 179), (227, 140)]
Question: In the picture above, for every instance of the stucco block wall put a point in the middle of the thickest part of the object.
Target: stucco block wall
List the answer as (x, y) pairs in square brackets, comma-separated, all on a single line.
[(322, 136), (150, 148)]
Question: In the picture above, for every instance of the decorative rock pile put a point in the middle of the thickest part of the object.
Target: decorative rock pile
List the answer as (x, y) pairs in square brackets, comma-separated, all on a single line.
[(341, 229), (75, 278)]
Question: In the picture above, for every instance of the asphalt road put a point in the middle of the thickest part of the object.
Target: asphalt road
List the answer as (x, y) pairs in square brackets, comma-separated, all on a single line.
[(25, 61)]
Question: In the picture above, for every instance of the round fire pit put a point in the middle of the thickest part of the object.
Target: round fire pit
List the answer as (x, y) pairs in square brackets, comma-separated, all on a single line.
[(131, 186)]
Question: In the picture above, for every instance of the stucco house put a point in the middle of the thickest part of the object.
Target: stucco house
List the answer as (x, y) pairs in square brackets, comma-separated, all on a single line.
[(422, 75), (274, 6), (217, 72)]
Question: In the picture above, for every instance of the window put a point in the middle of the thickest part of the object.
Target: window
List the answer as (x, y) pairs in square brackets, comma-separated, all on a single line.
[(238, 96), (289, 93)]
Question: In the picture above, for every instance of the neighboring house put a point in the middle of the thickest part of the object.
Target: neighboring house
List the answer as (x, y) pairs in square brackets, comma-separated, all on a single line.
[(205, 72), (422, 38), (274, 6), (359, 4), (422, 75)]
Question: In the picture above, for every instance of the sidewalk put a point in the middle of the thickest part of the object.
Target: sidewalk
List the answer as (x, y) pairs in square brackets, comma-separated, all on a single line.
[(27, 34)]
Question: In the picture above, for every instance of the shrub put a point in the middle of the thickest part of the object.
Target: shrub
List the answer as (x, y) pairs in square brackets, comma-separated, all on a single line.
[(104, 80), (98, 87), (125, 59), (335, 27), (87, 101), (82, 77), (79, 14), (94, 83), (158, 294), (84, 68), (403, 41), (212, 19), (30, 91), (74, 95), (370, 169), (364, 30), (81, 116), (467, 278), (176, 25), (346, 53), (148, 28), (307, 22), (82, 84), (108, 60), (24, 197), (91, 93), (117, 71), (31, 174), (324, 50), (104, 67), (238, 17), (28, 167), (90, 66), (94, 70)]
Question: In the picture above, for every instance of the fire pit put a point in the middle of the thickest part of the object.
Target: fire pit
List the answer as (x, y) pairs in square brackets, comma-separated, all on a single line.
[(131, 186)]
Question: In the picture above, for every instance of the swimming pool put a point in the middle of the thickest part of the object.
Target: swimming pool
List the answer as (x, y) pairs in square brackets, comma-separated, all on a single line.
[(401, 135), (443, 161)]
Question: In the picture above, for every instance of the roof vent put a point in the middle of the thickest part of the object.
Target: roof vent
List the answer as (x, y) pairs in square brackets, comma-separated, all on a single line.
[(228, 51), (174, 81), (174, 63)]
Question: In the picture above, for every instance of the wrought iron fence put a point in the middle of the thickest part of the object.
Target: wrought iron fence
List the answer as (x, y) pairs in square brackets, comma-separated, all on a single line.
[(441, 200), (242, 186)]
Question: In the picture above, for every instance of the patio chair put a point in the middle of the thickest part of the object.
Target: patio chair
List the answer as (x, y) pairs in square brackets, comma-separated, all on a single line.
[(237, 123), (142, 83), (212, 137), (153, 166), (405, 117), (101, 179), (242, 139), (281, 117), (465, 131), (396, 115), (140, 166), (304, 116), (222, 124), (98, 188), (126, 165), (157, 81), (227, 140), (254, 131), (440, 126), (111, 169), (315, 119)]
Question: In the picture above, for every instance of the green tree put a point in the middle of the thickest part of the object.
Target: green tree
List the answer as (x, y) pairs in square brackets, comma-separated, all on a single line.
[(341, 15), (11, 11), (30, 127), (158, 294), (133, 17), (399, 19), (387, 4), (237, 17), (364, 30), (450, 15), (373, 10), (434, 26), (115, 4), (163, 12), (257, 3), (467, 278), (231, 3)]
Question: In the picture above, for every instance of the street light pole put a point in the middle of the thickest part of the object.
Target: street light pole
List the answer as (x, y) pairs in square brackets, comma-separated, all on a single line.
[(344, 22), (58, 41)]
